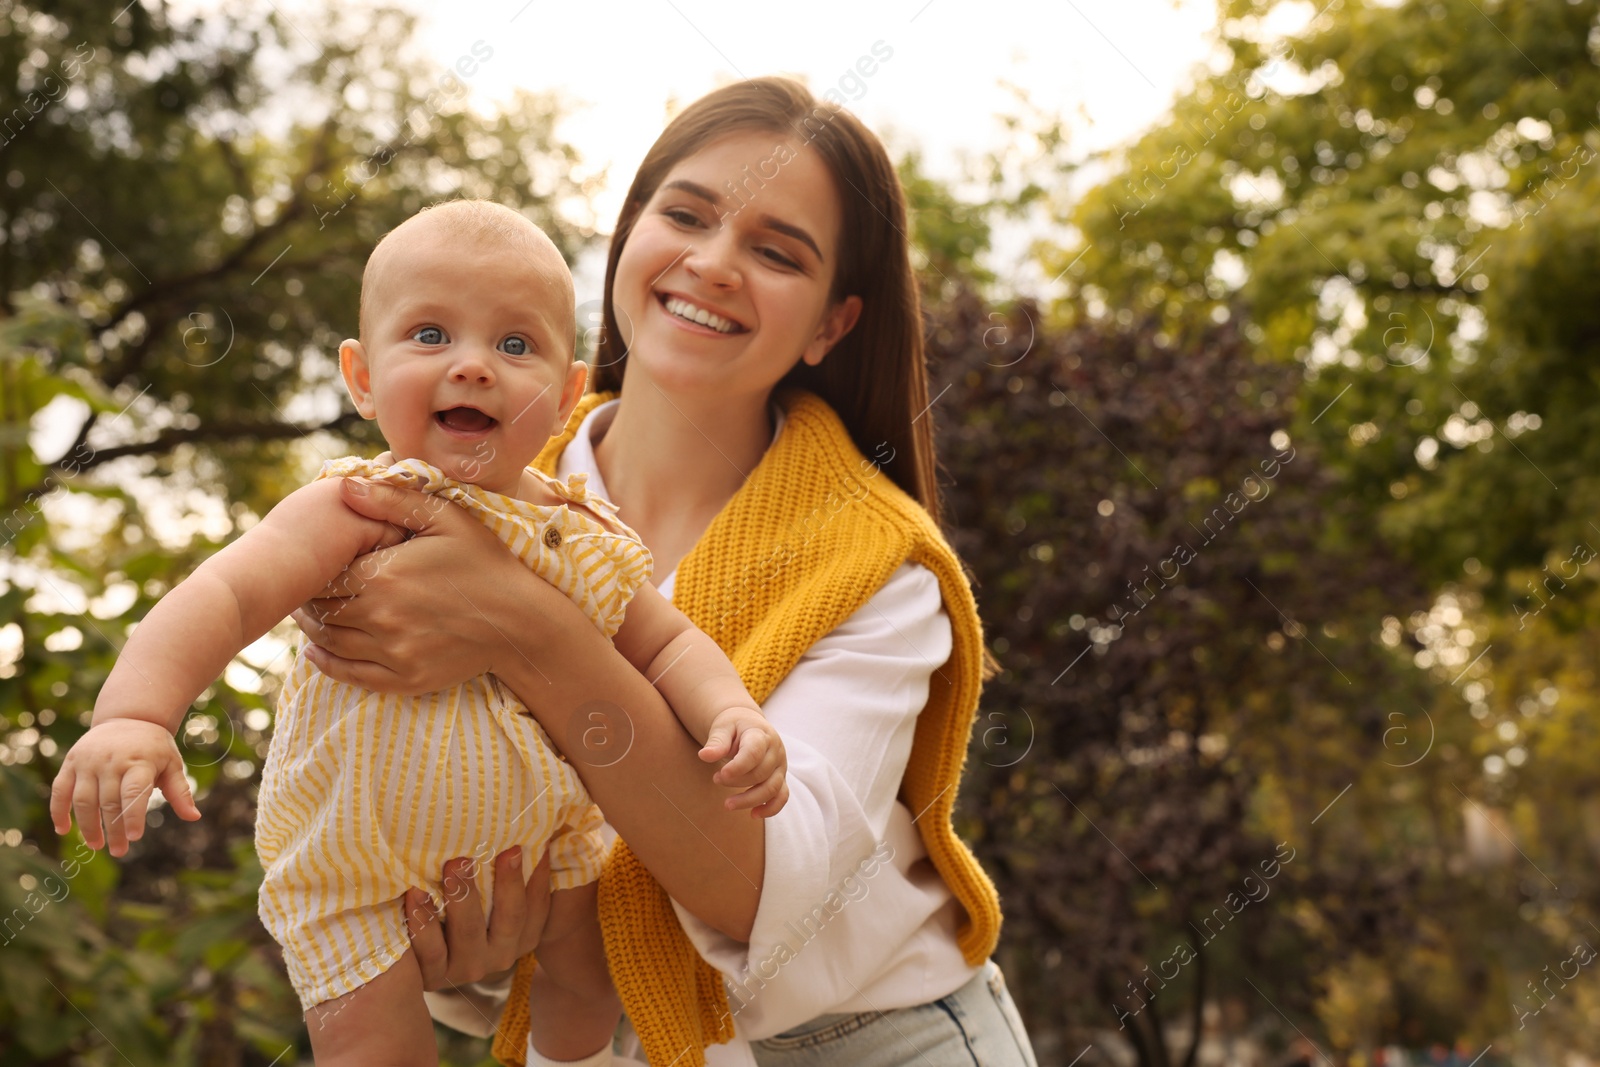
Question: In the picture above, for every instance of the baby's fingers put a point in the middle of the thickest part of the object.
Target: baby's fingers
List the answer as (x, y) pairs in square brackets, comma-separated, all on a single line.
[(750, 747), (773, 760), (135, 796), (111, 810), (775, 805), (760, 795), (86, 806), (718, 743), (175, 787), (61, 798)]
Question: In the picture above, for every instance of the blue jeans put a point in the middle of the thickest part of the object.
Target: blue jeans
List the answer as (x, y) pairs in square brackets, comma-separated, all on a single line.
[(976, 1026)]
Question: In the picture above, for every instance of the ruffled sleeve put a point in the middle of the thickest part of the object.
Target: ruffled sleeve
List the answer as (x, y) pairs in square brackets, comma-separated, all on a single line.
[(406, 474)]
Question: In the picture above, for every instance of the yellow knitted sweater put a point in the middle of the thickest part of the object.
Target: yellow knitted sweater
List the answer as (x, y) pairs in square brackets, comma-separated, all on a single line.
[(805, 542)]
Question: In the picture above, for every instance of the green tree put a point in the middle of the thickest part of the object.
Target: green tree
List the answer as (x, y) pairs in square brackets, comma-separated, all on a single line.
[(1404, 197)]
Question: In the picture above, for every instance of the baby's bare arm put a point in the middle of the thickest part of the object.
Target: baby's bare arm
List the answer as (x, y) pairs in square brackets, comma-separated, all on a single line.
[(701, 685), (183, 644), (233, 598), (681, 661)]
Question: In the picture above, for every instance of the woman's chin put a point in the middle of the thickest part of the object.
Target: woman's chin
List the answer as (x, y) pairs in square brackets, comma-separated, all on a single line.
[(682, 373)]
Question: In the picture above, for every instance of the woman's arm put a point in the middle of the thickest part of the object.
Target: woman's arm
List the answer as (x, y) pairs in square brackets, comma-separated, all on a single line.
[(452, 603), (851, 916)]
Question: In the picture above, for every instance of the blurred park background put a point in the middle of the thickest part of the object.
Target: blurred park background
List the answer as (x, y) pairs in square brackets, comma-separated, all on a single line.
[(1266, 432)]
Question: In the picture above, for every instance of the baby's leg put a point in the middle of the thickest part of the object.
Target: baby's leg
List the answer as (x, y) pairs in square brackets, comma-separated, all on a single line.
[(573, 1008), (384, 1021)]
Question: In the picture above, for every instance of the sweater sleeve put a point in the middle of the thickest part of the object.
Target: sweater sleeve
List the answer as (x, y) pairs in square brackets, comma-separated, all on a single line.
[(850, 908)]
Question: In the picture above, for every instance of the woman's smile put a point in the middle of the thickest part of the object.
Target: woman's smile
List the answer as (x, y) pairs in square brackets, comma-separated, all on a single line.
[(697, 317)]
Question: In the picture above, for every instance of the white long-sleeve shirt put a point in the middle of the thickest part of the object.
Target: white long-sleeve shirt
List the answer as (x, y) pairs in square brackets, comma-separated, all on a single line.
[(853, 917)]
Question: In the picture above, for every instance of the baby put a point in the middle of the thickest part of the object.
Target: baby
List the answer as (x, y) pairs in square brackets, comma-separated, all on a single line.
[(465, 359)]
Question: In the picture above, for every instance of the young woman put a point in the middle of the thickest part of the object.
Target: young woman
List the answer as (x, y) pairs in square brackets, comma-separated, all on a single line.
[(762, 421)]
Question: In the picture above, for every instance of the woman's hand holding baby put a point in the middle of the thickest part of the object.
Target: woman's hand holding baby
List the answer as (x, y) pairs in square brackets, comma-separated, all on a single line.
[(756, 761), (416, 617), (459, 945), (107, 779)]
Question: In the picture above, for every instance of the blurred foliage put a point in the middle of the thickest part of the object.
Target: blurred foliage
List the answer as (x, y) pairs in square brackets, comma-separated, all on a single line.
[(1407, 200)]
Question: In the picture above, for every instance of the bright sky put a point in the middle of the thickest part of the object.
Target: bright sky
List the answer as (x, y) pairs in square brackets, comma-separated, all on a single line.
[(1119, 62), (1111, 66)]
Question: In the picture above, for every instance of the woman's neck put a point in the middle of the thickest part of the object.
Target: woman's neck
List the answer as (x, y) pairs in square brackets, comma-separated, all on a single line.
[(671, 466)]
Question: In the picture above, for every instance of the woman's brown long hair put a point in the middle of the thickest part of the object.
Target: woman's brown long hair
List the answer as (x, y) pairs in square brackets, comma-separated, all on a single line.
[(876, 376)]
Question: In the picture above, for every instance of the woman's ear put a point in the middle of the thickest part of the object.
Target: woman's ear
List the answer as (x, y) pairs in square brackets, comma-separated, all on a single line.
[(357, 377), (840, 320)]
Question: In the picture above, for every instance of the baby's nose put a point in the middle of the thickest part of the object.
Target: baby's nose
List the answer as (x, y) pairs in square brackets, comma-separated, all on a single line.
[(472, 368)]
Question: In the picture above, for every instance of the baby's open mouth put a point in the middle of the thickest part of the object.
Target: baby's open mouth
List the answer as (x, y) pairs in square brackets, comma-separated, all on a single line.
[(464, 420)]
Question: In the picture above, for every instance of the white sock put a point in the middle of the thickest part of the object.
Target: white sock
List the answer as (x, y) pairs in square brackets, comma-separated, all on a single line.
[(598, 1059)]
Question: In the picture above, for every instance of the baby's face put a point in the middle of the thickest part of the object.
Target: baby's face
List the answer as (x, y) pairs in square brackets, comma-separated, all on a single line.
[(466, 361)]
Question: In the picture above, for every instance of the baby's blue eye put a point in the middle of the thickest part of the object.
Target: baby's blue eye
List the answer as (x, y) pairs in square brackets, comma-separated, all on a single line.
[(514, 346), (429, 335)]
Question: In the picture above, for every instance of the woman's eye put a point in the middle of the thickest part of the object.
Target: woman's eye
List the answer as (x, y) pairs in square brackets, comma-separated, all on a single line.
[(779, 258), (682, 217), (429, 335), (514, 346)]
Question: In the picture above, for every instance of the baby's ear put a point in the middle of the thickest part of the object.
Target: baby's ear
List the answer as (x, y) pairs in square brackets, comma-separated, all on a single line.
[(357, 377), (577, 378)]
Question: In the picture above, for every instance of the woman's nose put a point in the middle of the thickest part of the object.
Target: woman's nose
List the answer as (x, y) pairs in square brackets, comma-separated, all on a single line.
[(712, 259)]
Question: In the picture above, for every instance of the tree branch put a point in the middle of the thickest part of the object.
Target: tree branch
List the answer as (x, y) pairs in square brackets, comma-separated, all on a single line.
[(1130, 1022), (172, 287), (236, 168), (134, 355), (175, 287), (1158, 1033), (214, 433), (81, 438), (1414, 287), (1199, 1002)]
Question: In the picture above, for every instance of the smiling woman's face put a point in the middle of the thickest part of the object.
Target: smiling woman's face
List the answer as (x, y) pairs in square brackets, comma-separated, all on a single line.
[(724, 283)]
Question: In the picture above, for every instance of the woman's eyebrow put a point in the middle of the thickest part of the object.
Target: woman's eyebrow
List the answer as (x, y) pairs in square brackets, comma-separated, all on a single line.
[(695, 189), (792, 231)]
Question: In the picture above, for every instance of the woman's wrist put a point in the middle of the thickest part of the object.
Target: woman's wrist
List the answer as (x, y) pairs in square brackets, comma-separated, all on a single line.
[(520, 626)]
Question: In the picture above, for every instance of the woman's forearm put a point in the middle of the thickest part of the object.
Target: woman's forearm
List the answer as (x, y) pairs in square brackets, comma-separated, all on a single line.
[(636, 759)]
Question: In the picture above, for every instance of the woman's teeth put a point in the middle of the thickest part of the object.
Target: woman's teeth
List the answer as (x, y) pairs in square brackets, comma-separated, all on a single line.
[(685, 310)]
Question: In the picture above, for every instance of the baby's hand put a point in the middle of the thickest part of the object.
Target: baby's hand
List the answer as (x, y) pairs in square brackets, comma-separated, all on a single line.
[(108, 777), (756, 761)]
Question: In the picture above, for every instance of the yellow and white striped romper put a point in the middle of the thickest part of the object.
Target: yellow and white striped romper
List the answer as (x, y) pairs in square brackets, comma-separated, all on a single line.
[(364, 794)]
